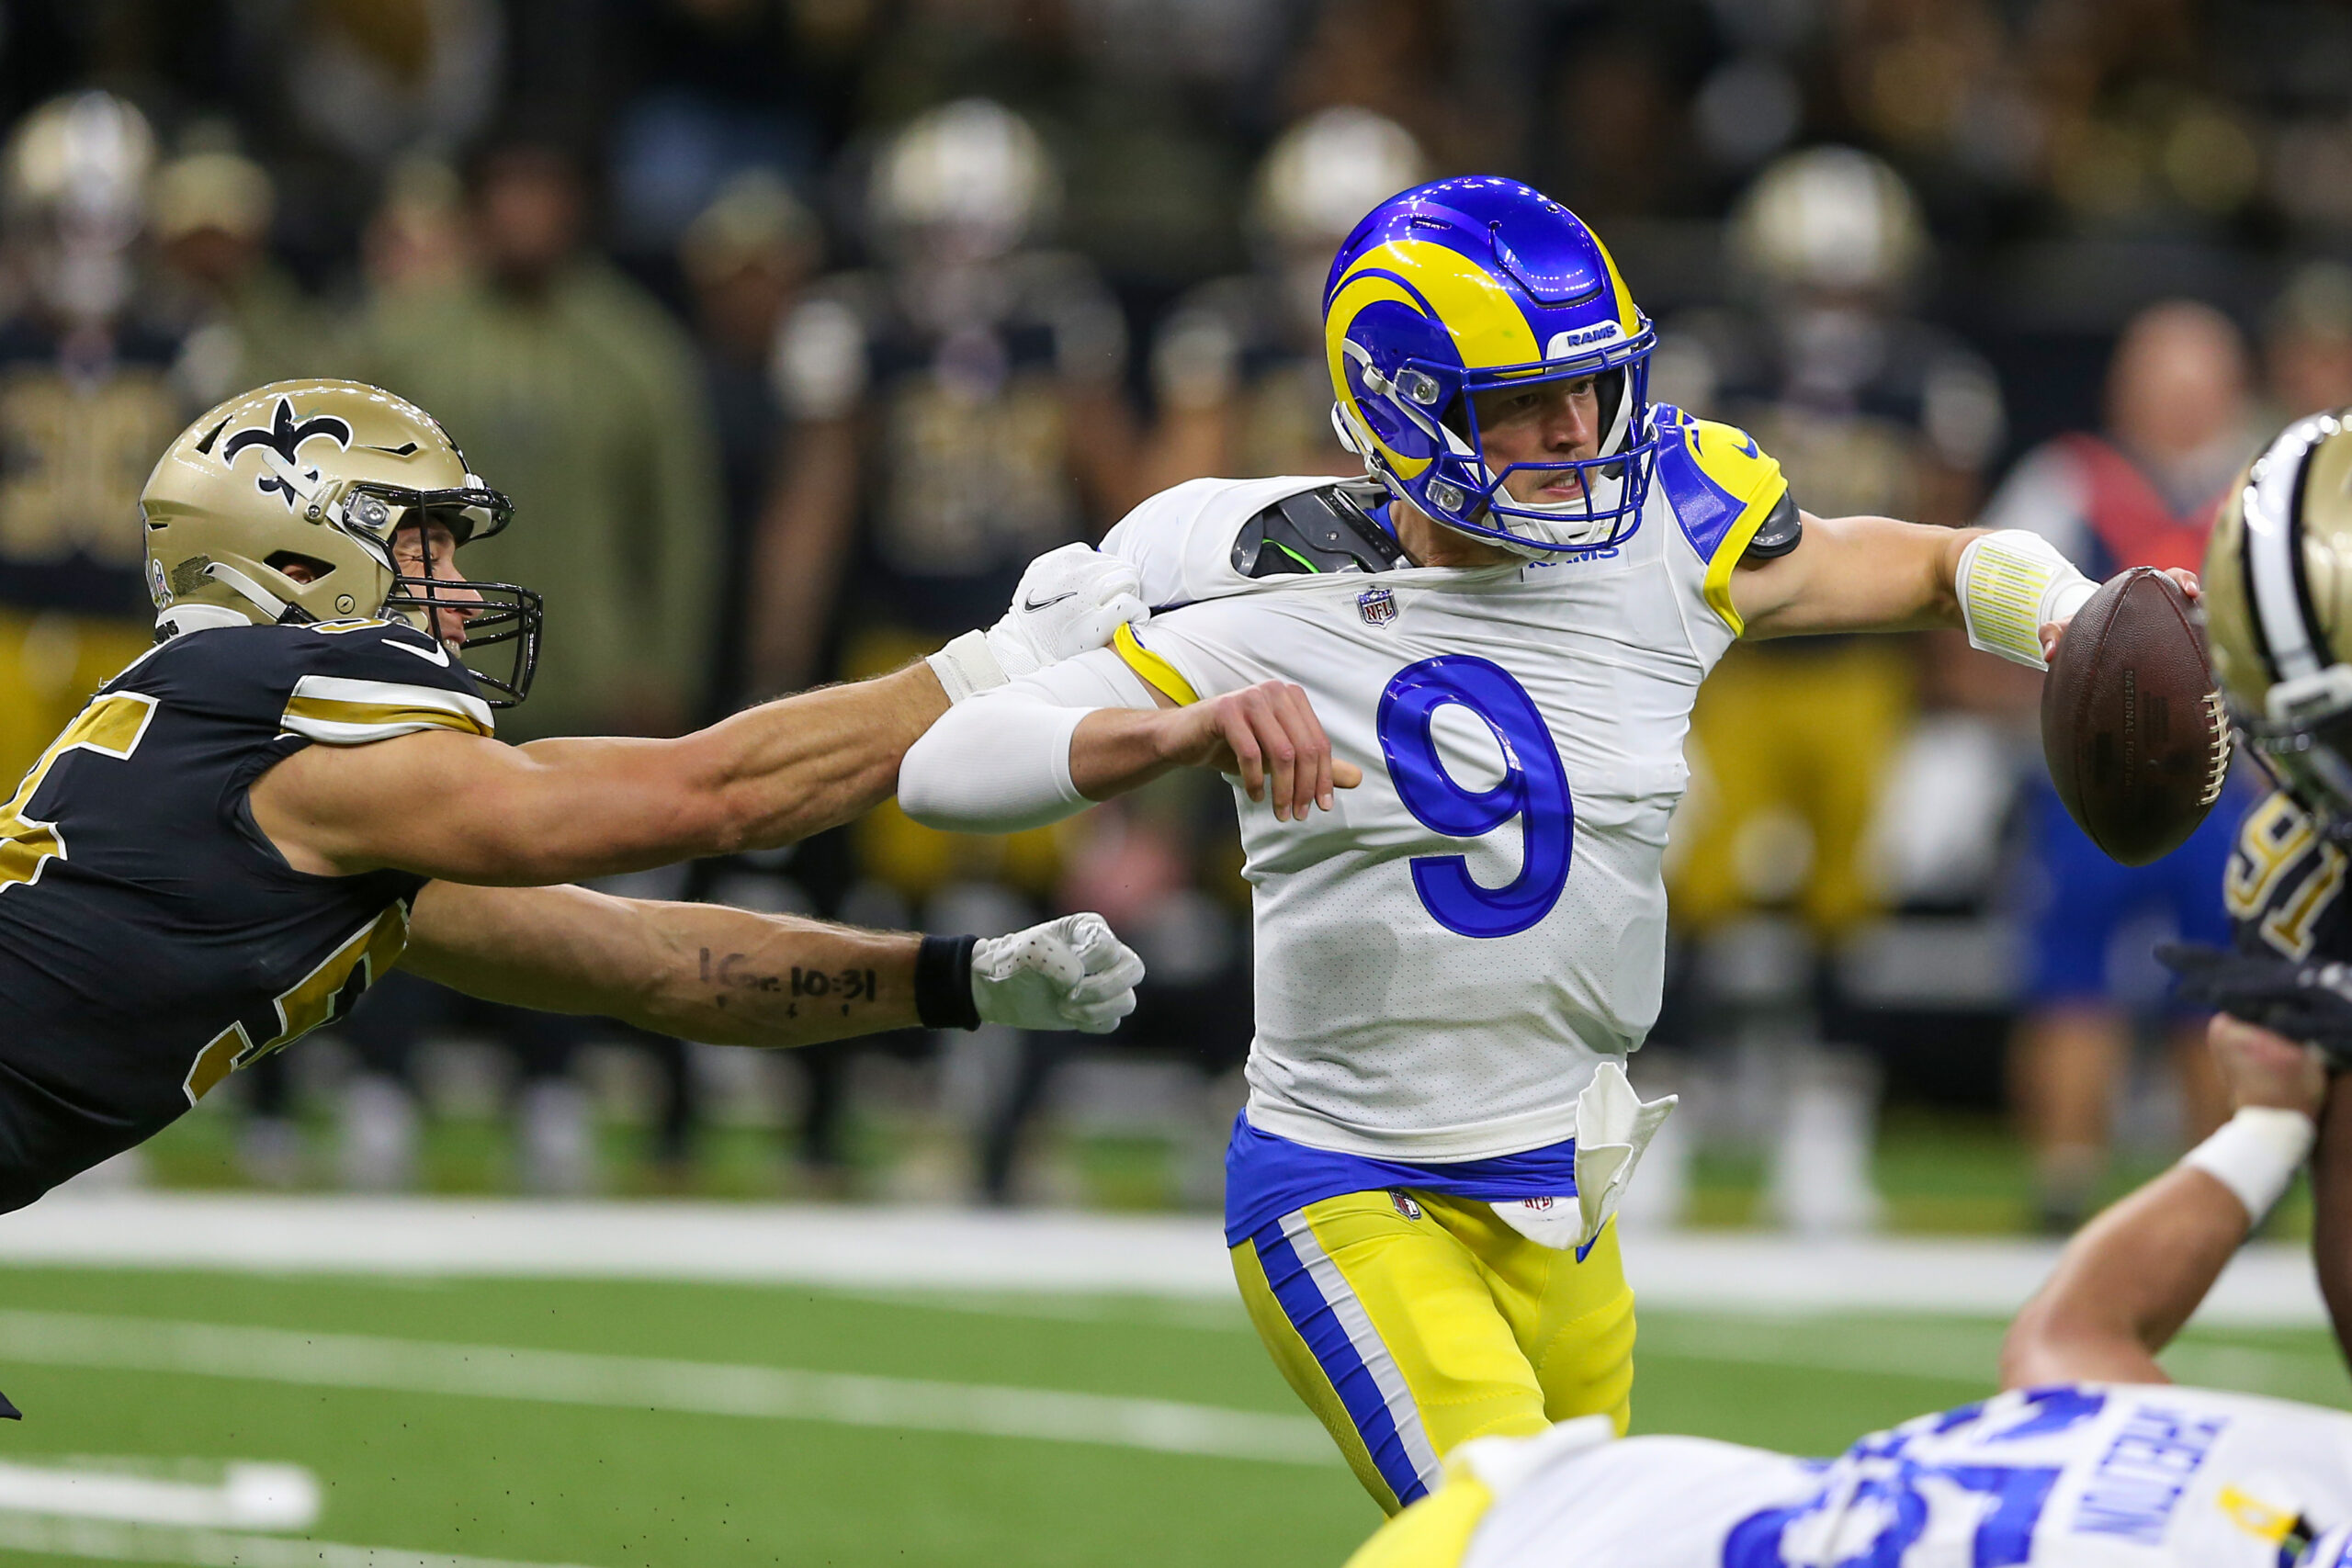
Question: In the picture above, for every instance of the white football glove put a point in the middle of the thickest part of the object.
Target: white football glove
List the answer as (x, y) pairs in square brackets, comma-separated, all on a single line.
[(1067, 974), (1070, 600)]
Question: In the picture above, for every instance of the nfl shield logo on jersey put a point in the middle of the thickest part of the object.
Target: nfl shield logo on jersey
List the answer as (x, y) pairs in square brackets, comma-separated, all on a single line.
[(1404, 1205), (1377, 606)]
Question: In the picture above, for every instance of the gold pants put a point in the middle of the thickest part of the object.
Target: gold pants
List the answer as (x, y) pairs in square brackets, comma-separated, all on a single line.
[(49, 664), (1810, 733)]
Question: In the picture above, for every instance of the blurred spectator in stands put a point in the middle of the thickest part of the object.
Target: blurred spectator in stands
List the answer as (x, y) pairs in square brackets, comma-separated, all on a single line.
[(1870, 412), (86, 401), (716, 88), (2178, 426), (746, 258), (956, 412), (1618, 138), (414, 242), (2307, 343), (246, 322), (576, 393), (373, 79), (1414, 62), (580, 393), (1238, 367)]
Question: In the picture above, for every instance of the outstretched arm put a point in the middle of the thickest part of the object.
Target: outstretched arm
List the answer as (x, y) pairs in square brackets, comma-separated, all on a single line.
[(735, 977), (466, 808), (2129, 1281), (1852, 574), (2011, 589)]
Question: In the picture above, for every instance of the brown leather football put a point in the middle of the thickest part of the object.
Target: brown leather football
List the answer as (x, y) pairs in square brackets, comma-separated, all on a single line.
[(2132, 722)]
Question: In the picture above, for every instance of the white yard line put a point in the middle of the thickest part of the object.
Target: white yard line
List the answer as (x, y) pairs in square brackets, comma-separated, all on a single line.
[(635, 1383), (248, 1497), (105, 1541), (1033, 1253)]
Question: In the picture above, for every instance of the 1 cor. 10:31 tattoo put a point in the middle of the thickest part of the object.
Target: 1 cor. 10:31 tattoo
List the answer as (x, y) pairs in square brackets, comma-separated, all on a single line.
[(845, 987)]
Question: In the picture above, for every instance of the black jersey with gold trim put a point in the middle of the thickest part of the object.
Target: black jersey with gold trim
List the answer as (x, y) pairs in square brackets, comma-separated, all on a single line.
[(152, 939), (2285, 883)]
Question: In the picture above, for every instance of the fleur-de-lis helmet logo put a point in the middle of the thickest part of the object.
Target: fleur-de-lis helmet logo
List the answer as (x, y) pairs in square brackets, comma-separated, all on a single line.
[(285, 436)]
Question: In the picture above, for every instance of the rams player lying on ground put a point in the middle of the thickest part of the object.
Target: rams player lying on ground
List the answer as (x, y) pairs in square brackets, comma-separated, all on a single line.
[(298, 788), (2090, 1459), (1506, 628)]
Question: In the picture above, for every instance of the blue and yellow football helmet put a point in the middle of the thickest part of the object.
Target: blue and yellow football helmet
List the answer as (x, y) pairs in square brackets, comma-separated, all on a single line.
[(1463, 285)]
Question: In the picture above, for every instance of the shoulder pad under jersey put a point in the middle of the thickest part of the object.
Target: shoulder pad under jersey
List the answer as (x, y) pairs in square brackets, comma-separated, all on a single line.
[(342, 681), (1316, 530), (1724, 488)]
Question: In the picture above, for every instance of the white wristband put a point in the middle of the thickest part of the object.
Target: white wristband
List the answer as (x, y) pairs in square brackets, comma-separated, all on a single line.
[(2255, 1154), (966, 667), (2011, 582)]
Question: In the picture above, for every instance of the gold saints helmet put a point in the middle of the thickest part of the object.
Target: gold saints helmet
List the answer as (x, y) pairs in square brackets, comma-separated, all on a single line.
[(2278, 611), (323, 476)]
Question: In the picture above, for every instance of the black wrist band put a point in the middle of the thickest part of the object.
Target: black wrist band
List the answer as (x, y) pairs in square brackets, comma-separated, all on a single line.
[(944, 982)]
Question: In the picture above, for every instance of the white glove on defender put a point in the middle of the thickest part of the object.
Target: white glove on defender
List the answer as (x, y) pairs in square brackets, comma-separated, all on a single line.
[(1067, 974), (1069, 602)]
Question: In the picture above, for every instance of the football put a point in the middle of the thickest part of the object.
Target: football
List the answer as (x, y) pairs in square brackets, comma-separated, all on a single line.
[(2132, 722)]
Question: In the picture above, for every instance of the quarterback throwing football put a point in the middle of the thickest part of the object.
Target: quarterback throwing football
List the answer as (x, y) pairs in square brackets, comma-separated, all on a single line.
[(1504, 629)]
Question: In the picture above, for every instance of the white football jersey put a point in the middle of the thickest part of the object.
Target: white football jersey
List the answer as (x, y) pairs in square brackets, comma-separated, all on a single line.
[(1443, 962), (2079, 1475)]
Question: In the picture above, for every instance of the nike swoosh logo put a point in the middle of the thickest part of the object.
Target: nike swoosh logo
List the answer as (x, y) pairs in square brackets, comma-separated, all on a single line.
[(1035, 605), (436, 655)]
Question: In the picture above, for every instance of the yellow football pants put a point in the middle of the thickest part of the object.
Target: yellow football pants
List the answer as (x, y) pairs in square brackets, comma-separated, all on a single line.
[(50, 663), (1811, 733), (1411, 1323)]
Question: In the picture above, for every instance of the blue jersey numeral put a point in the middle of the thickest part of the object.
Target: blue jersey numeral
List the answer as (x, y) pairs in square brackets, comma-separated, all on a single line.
[(1534, 788), (2010, 1500)]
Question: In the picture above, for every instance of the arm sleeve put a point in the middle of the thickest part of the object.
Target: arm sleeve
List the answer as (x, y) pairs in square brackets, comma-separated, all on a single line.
[(999, 763)]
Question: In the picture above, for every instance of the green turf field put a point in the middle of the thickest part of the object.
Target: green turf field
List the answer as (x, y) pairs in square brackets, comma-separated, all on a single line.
[(613, 1424)]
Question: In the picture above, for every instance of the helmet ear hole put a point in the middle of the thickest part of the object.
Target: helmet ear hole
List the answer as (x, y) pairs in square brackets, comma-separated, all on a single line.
[(298, 566)]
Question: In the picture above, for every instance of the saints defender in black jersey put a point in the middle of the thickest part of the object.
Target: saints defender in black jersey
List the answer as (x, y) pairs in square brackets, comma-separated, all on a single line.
[(298, 788), (2277, 606)]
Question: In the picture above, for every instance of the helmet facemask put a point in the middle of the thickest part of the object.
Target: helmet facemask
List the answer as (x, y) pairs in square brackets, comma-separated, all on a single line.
[(1459, 489), (2270, 567), (487, 616)]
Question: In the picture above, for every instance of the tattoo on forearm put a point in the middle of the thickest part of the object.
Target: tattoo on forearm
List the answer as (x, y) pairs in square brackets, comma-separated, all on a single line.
[(841, 989)]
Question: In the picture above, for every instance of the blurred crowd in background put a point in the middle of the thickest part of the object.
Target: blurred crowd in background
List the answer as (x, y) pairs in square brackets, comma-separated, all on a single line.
[(795, 328)]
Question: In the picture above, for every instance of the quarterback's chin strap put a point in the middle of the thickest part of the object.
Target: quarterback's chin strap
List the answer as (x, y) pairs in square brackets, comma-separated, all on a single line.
[(2012, 583)]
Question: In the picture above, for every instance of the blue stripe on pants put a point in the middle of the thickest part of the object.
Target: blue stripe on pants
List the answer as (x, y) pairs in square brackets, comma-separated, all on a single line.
[(1327, 1338)]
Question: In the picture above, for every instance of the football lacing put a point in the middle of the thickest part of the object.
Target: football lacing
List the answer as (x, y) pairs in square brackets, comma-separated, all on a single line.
[(2217, 771)]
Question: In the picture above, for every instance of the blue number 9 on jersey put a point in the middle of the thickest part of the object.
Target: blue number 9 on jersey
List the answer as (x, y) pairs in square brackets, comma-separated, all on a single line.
[(1534, 788)]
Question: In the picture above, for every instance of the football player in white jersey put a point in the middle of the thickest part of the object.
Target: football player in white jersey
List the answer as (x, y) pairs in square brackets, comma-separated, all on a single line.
[(1505, 631), (2090, 1457)]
